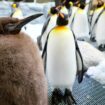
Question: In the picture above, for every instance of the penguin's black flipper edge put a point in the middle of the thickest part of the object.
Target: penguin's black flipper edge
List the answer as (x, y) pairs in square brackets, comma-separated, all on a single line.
[(43, 30), (45, 25), (11, 14), (80, 65)]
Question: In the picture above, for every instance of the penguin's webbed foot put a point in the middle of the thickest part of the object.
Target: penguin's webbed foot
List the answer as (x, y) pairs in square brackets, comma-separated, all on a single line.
[(101, 47), (68, 98), (57, 97), (93, 39)]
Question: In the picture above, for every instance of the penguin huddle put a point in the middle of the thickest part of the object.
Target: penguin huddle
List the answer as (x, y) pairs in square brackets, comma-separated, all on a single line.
[(61, 55), (62, 58), (97, 23)]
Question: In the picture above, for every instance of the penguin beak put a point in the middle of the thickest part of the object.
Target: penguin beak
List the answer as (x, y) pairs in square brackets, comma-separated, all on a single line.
[(27, 20), (15, 28), (63, 2), (58, 7), (61, 15)]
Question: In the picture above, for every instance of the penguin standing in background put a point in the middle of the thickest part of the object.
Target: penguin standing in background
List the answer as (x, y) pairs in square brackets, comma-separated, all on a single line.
[(80, 19), (97, 11), (66, 7), (63, 61), (48, 25), (100, 31), (17, 12)]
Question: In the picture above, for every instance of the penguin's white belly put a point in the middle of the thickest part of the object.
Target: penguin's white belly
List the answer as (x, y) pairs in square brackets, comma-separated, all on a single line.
[(18, 14), (61, 59), (80, 25), (96, 13), (100, 31), (51, 25)]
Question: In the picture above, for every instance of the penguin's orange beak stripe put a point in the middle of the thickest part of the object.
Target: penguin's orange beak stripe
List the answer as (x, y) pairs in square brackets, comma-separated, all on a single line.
[(60, 14)]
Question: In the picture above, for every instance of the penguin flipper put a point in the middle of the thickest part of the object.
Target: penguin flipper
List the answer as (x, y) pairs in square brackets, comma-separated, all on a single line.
[(80, 65), (43, 30), (45, 25)]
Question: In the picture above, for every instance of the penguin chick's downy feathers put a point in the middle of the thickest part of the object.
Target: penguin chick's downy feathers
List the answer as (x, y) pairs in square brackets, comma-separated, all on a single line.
[(22, 79)]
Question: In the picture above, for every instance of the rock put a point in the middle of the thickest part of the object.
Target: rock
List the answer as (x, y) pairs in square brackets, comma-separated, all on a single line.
[(90, 54), (98, 72)]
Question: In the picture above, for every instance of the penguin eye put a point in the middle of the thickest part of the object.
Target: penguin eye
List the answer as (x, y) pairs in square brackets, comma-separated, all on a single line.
[(61, 15)]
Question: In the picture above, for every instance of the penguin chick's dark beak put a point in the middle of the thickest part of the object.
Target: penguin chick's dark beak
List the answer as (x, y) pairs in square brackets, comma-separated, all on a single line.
[(16, 27)]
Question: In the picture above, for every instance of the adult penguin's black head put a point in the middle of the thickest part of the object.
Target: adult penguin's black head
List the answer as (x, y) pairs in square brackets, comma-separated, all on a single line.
[(55, 10), (67, 3), (63, 19), (80, 3)]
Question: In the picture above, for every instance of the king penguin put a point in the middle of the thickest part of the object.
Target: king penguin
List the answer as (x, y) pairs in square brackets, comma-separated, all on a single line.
[(48, 25), (17, 12), (66, 7), (63, 61), (100, 31), (81, 19), (96, 13)]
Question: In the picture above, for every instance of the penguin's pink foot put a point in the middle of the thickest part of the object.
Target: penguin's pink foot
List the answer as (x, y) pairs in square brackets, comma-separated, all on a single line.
[(68, 98), (101, 47), (57, 97), (39, 42), (93, 39)]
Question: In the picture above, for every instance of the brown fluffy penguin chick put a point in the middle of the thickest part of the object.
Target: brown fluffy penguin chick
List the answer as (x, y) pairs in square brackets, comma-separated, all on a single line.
[(22, 79)]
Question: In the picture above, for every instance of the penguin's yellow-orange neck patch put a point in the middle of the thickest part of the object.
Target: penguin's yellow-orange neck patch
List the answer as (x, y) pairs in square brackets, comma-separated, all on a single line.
[(91, 12), (80, 11), (60, 29)]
